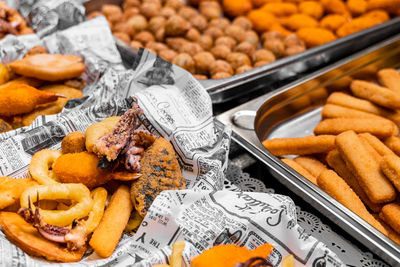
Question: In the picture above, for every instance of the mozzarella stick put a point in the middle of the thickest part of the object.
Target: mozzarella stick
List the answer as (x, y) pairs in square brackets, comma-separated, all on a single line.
[(390, 166), (390, 78), (393, 143), (371, 150), (337, 188), (300, 145), (297, 167), (380, 128), (375, 93), (311, 164), (377, 144), (336, 111), (365, 168), (336, 162), (391, 233), (390, 214)]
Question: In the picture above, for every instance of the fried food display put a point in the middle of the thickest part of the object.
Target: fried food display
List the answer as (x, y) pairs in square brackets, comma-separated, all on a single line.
[(73, 143), (300, 169), (11, 190), (11, 22), (41, 167)]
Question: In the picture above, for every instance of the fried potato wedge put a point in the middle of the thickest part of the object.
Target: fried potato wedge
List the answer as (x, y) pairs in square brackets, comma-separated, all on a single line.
[(97, 130), (12, 188)]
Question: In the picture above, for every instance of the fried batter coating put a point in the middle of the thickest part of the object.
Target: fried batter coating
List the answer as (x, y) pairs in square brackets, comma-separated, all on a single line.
[(12, 188), (97, 130), (383, 4), (375, 93), (160, 171), (4, 126), (300, 169), (311, 164), (315, 36), (390, 78), (335, 6), (80, 168), (357, 24), (73, 142), (357, 7), (333, 22), (280, 9), (299, 21), (261, 20), (311, 8), (235, 8), (393, 143)]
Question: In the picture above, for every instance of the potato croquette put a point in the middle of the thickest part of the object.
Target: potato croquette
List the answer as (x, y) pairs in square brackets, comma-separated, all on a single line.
[(261, 20), (80, 168), (234, 8), (315, 36), (357, 7), (73, 143)]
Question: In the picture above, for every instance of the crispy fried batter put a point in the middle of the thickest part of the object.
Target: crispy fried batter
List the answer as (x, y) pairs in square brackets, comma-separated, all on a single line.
[(73, 142), (4, 126), (12, 188), (97, 130)]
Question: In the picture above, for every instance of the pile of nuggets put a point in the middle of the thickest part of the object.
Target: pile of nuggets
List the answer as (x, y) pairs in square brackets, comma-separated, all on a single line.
[(38, 84), (63, 208), (354, 155)]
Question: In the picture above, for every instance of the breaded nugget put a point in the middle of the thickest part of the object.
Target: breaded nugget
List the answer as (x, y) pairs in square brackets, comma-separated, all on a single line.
[(297, 167), (262, 20), (377, 144), (314, 36), (311, 8), (390, 166), (383, 4), (365, 168), (393, 143), (299, 21), (311, 164), (356, 25), (337, 188), (12, 188), (280, 8), (300, 145), (49, 67), (357, 7), (375, 93), (236, 7), (160, 171), (80, 168), (336, 7), (390, 78), (73, 142), (333, 22), (97, 130), (390, 214), (336, 162)]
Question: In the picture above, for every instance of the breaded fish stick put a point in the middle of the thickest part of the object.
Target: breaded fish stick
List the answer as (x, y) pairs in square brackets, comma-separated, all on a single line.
[(391, 233), (390, 78), (300, 145), (336, 162), (375, 93), (393, 143), (365, 168), (390, 166), (311, 164), (377, 144), (370, 150), (378, 127), (336, 111), (390, 214), (337, 188), (297, 167)]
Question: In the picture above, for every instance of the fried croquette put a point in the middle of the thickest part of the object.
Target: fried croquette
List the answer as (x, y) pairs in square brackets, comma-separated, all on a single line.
[(160, 171), (236, 8), (80, 168), (73, 143), (97, 130), (313, 36), (12, 188)]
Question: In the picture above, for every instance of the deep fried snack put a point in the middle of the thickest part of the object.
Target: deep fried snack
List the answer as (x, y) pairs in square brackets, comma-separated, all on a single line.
[(375, 93), (237, 7), (390, 78), (134, 222), (160, 171), (21, 98), (311, 164), (99, 129), (357, 7), (333, 22), (299, 21), (300, 145), (23, 80), (107, 234), (357, 24), (335, 6), (75, 192), (390, 166), (377, 144), (80, 168), (378, 127), (99, 196), (314, 36), (4, 126), (12, 188), (365, 168), (49, 67), (393, 143), (336, 162), (262, 21), (390, 214), (297, 167), (311, 8), (4, 74), (392, 234), (377, 157), (280, 8), (27, 238), (337, 188), (73, 142), (336, 111), (41, 166)]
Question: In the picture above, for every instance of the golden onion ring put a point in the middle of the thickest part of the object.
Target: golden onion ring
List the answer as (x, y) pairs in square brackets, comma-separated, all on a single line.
[(77, 192), (40, 164), (99, 196)]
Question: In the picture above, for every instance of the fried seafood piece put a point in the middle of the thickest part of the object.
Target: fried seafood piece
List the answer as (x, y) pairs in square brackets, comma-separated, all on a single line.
[(49, 67), (27, 238), (311, 164), (4, 126), (12, 188), (390, 214), (73, 142), (390, 166), (160, 171), (377, 94), (99, 129), (390, 78), (21, 98), (297, 167)]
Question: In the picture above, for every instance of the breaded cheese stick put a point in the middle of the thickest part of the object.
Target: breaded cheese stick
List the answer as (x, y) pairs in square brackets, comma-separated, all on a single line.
[(336, 111), (376, 94), (380, 128), (370, 150), (365, 168), (390, 166), (300, 145), (297, 167), (391, 233), (377, 144), (311, 164), (390, 78), (337, 188), (336, 162), (390, 214), (393, 143)]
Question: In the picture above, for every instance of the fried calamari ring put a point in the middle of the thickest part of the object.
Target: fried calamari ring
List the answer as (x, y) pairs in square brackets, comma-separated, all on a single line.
[(40, 164), (99, 196), (77, 192)]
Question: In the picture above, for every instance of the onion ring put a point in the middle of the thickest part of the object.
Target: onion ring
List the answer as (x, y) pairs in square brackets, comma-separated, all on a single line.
[(99, 196), (40, 163), (77, 192)]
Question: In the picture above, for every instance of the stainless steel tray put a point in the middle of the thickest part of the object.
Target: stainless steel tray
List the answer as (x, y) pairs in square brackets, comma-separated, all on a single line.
[(284, 113), (285, 70)]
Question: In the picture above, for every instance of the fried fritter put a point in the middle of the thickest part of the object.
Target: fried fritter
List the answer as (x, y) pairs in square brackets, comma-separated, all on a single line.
[(160, 171), (12, 188), (97, 130), (73, 143)]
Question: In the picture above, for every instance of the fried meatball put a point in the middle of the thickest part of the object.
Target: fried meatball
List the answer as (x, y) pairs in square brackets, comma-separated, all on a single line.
[(221, 51), (73, 143), (168, 54), (150, 9), (123, 36), (226, 40), (123, 27), (144, 37), (276, 46), (243, 22), (193, 35), (137, 45), (200, 77), (245, 48), (187, 12), (237, 59), (156, 23), (243, 68), (220, 66), (167, 12), (176, 43), (185, 61), (206, 42), (261, 63), (271, 35), (210, 9), (175, 4), (236, 32), (190, 48), (221, 23), (199, 22), (214, 32), (130, 12), (156, 46), (221, 75), (203, 61), (176, 26), (263, 55), (138, 23), (252, 38)]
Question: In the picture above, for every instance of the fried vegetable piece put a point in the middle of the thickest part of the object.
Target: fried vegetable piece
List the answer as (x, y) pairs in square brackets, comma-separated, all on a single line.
[(41, 166), (73, 142), (160, 171), (4, 126), (393, 143), (297, 167), (21, 98), (107, 234), (49, 67), (337, 188), (80, 168), (390, 166), (390, 78), (375, 93), (97, 130), (390, 214), (236, 8), (12, 188), (365, 168), (99, 196), (27, 238), (336, 111), (314, 36), (311, 164), (300, 145)]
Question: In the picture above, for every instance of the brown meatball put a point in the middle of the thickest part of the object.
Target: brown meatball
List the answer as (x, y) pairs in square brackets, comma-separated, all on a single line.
[(243, 22), (160, 34), (292, 40), (263, 55), (271, 35), (187, 12), (156, 23), (220, 66), (167, 12), (123, 36), (226, 40), (150, 9), (237, 59), (243, 68), (176, 26), (221, 51), (144, 37), (245, 48), (252, 38), (138, 23), (206, 42), (176, 43), (168, 55), (185, 61), (158, 47), (210, 9), (203, 61), (130, 12), (294, 50), (200, 77), (221, 23), (221, 75), (130, 3), (73, 142), (123, 27), (175, 4), (190, 48), (199, 22), (261, 63), (193, 35), (111, 10), (137, 45), (214, 32), (276, 46), (236, 32)]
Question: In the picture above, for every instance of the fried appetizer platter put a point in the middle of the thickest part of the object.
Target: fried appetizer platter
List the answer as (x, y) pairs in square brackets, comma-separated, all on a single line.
[(354, 155), (11, 22), (39, 84), (62, 210)]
